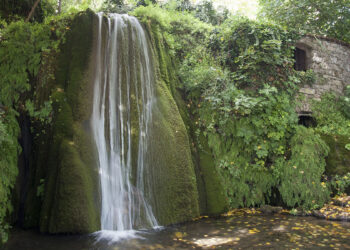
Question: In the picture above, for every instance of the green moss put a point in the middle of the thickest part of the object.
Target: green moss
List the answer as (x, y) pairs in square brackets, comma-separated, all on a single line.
[(211, 197), (184, 112), (72, 70), (73, 209), (338, 159), (175, 187), (216, 200), (71, 200), (166, 67), (71, 203)]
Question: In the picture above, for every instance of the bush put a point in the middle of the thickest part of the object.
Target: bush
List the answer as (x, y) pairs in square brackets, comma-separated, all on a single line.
[(300, 177), (330, 114)]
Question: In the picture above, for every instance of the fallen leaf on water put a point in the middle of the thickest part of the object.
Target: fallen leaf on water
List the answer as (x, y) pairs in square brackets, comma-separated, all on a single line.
[(178, 235)]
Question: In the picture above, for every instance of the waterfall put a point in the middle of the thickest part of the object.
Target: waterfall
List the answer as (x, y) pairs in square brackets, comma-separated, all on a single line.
[(121, 121)]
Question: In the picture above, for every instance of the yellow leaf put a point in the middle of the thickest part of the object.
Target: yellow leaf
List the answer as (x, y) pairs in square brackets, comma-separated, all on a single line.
[(178, 234)]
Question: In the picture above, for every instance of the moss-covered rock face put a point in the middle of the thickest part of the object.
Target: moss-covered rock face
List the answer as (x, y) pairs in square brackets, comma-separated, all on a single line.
[(70, 200), (211, 195), (338, 159), (184, 185), (160, 163), (71, 203), (174, 187)]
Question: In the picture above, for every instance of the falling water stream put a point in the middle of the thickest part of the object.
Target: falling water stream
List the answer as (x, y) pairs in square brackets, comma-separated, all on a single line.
[(122, 113)]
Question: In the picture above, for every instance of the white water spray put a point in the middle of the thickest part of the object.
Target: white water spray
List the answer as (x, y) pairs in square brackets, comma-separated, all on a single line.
[(123, 91)]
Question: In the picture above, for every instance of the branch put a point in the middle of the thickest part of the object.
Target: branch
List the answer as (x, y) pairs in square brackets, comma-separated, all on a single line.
[(31, 13)]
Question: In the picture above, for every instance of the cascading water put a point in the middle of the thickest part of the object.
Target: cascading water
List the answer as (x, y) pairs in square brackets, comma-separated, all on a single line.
[(121, 122)]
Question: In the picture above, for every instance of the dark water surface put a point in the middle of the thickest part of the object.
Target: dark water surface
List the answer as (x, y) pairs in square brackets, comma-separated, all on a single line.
[(235, 232)]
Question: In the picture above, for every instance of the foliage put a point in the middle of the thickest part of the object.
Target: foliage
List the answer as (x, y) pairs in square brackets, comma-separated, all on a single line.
[(41, 189), (330, 114), (258, 54), (330, 18), (181, 30), (20, 54), (145, 2), (256, 132), (300, 177), (114, 6), (181, 5), (14, 9), (339, 184), (21, 51), (9, 149), (206, 12), (73, 6), (345, 102), (43, 114), (241, 87)]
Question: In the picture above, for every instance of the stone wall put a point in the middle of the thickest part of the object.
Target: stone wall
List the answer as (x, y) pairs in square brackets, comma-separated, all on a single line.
[(330, 60)]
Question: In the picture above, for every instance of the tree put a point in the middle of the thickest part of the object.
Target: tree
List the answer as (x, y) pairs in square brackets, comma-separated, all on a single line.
[(59, 6), (31, 13), (9, 9), (145, 2), (330, 18), (206, 12)]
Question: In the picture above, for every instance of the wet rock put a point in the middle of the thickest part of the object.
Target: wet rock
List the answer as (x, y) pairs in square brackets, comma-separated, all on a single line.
[(338, 209), (267, 209), (343, 201)]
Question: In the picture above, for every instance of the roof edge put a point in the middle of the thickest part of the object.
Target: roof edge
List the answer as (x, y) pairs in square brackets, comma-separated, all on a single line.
[(329, 39)]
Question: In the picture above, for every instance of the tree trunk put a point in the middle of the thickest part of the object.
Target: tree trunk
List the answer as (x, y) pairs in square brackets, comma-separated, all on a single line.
[(59, 6), (31, 13)]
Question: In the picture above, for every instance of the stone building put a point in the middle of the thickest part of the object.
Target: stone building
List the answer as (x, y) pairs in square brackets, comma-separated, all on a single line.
[(330, 60)]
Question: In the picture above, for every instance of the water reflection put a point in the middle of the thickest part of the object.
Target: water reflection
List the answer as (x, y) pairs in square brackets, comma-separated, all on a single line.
[(238, 232)]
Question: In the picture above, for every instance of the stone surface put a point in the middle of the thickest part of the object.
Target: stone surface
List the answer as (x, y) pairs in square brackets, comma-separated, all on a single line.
[(267, 209), (330, 61), (71, 200), (337, 209)]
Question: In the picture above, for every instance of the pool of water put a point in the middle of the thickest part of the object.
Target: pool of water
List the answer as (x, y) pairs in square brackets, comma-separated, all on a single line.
[(238, 232)]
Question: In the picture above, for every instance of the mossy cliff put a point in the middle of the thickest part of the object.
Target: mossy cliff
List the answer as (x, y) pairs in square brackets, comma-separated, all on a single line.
[(168, 174), (63, 195), (174, 189), (70, 201), (64, 177), (211, 197)]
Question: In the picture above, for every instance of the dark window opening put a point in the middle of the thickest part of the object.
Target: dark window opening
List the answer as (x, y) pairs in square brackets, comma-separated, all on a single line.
[(307, 121), (300, 59)]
